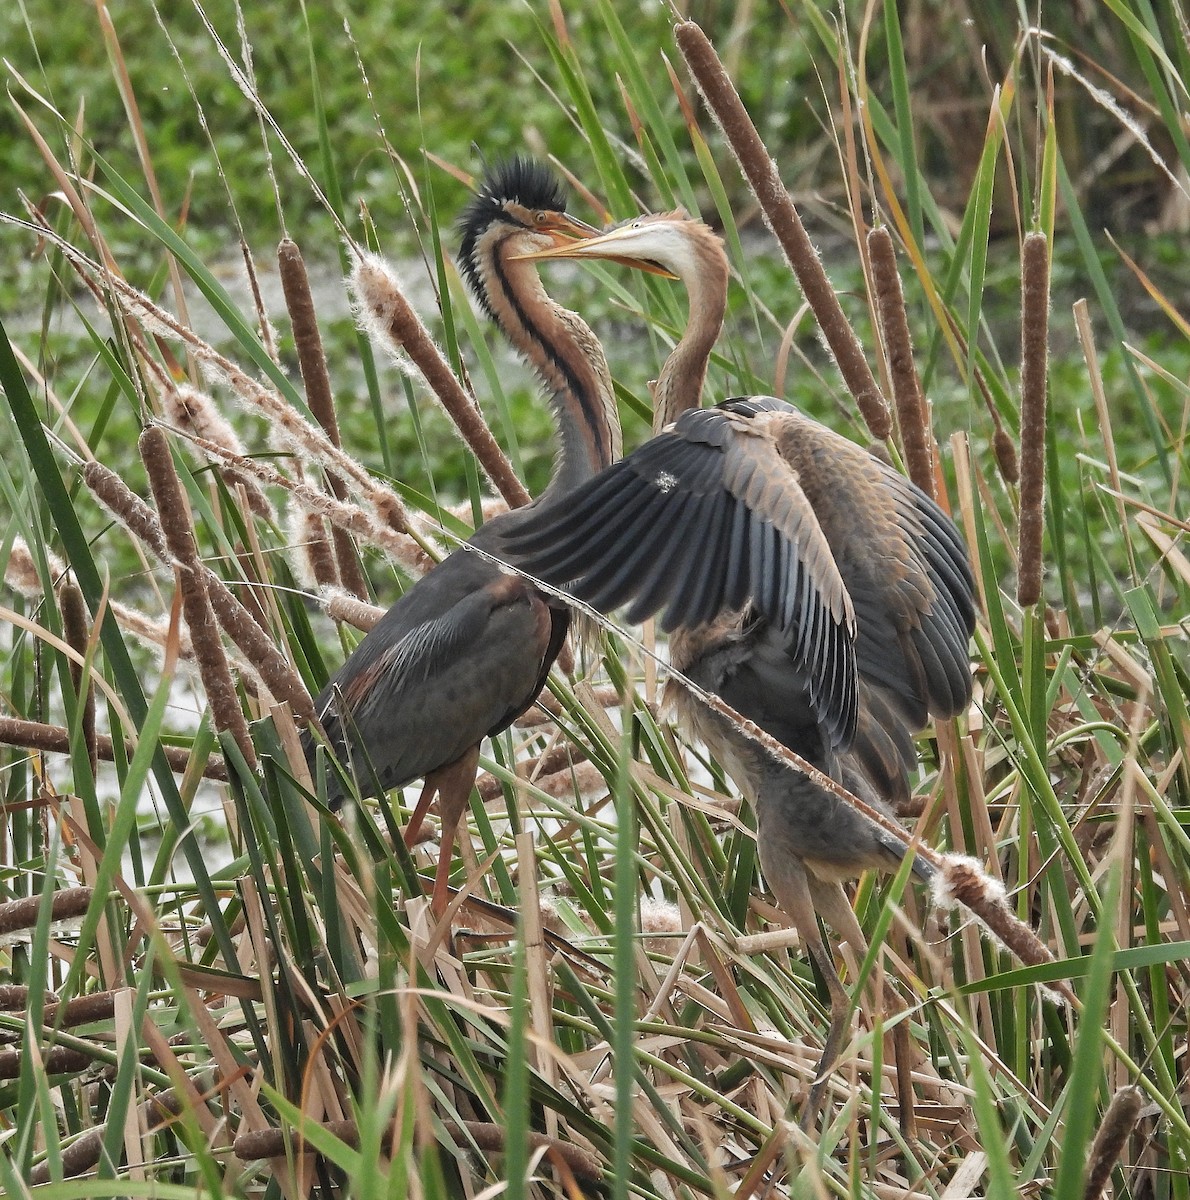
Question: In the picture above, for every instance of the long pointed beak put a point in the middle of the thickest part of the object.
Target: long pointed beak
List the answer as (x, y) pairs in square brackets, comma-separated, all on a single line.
[(565, 229), (602, 247)]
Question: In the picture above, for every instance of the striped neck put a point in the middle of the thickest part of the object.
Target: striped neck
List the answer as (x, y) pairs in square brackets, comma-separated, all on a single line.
[(563, 351)]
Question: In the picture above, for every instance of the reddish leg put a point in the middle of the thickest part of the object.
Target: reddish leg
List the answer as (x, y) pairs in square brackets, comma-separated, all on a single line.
[(452, 784)]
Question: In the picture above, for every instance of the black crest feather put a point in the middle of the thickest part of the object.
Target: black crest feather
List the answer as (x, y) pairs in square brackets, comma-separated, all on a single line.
[(522, 180)]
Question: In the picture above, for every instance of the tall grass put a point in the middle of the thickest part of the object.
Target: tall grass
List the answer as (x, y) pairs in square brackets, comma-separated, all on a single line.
[(620, 1007)]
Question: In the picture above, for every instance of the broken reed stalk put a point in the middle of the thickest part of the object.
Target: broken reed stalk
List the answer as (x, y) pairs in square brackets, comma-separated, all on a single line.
[(1118, 1123), (390, 315), (173, 512), (957, 879), (237, 621), (912, 413), (273, 1143), (299, 302), (76, 628), (1035, 307), (713, 82)]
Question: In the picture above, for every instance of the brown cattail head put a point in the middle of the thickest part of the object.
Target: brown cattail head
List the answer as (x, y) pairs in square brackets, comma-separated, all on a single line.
[(195, 412), (342, 606), (1118, 1123), (1035, 307), (310, 549), (76, 628), (21, 572), (174, 514), (912, 415), (389, 318), (1006, 459), (299, 301), (963, 881), (127, 507), (761, 173)]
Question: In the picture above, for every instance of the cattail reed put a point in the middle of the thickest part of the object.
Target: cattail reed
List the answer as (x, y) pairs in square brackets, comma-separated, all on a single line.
[(21, 572), (174, 514), (299, 302), (284, 420), (193, 411), (127, 507), (351, 517), (1118, 1123), (275, 1143), (761, 173), (76, 628), (238, 622), (313, 558), (962, 880), (390, 318), (1035, 307), (67, 905), (1005, 450), (341, 606), (912, 413), (55, 739)]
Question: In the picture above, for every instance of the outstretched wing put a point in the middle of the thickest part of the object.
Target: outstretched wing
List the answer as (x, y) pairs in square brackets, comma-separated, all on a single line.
[(902, 561), (704, 518)]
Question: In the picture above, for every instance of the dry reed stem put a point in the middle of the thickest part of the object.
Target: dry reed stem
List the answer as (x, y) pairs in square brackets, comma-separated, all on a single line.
[(912, 413), (55, 739), (761, 173), (295, 284), (272, 1143), (174, 514), (76, 631), (236, 619), (957, 879), (390, 316), (1118, 1123), (1035, 307)]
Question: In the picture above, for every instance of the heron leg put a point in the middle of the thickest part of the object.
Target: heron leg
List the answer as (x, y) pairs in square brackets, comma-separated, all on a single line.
[(831, 901), (452, 784), (792, 887)]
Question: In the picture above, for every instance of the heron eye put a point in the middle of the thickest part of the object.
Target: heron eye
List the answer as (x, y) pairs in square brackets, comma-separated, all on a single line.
[(542, 218)]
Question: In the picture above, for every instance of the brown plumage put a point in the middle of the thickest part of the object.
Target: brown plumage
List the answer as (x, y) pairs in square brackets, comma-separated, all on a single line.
[(853, 646)]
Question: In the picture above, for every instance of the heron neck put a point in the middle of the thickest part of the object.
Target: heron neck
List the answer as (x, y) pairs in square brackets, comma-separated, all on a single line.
[(569, 360), (679, 386)]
